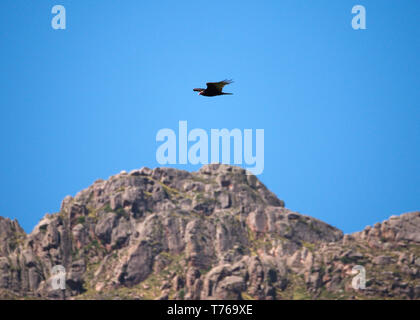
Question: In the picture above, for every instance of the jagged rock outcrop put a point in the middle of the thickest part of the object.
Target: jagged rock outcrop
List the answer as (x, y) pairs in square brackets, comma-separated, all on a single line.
[(213, 234)]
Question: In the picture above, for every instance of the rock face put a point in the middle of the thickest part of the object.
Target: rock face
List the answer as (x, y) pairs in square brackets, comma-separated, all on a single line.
[(213, 234)]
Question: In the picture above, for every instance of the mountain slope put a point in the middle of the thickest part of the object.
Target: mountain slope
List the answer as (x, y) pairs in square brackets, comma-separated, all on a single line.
[(213, 234)]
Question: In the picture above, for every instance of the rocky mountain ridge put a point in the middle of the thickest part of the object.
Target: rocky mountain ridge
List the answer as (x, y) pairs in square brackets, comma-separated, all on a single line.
[(217, 233)]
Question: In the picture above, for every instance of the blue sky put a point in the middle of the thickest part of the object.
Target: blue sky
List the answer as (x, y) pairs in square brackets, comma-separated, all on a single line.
[(340, 108)]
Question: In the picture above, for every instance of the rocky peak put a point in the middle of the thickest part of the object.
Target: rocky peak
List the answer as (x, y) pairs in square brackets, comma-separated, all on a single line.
[(11, 236), (215, 233), (403, 228)]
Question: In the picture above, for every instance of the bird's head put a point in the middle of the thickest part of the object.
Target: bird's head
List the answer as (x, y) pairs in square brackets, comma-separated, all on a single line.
[(200, 93)]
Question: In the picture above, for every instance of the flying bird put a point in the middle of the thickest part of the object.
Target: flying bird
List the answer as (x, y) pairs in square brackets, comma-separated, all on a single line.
[(213, 89)]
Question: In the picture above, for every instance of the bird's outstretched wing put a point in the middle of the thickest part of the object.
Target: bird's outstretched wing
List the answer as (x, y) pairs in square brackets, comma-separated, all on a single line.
[(218, 86)]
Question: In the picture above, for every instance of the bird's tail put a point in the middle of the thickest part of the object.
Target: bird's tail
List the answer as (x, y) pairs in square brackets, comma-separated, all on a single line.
[(226, 93)]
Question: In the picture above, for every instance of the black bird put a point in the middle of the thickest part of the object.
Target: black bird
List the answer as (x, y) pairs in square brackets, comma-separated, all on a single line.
[(213, 88)]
